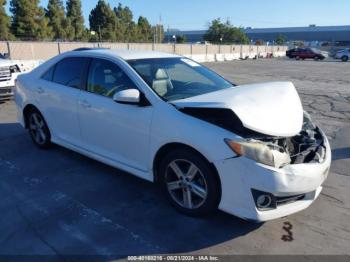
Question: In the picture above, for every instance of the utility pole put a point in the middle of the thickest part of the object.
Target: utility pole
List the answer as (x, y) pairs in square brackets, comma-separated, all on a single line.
[(156, 34), (160, 28)]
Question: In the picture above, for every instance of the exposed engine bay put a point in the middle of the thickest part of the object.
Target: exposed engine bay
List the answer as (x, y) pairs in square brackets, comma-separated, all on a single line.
[(306, 147)]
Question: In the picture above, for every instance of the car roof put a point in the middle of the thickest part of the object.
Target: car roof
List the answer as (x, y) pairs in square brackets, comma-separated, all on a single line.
[(124, 53)]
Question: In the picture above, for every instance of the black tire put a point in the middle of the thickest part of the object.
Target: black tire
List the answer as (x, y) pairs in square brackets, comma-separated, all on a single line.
[(297, 58), (205, 178), (316, 58), (344, 58), (38, 129)]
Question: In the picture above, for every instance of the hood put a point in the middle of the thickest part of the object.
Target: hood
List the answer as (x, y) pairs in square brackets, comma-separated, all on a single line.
[(6, 62), (269, 108)]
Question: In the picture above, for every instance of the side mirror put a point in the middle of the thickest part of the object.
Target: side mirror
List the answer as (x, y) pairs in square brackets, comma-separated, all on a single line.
[(128, 96)]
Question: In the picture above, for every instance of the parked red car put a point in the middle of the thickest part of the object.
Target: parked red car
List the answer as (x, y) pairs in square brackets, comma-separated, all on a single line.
[(305, 53)]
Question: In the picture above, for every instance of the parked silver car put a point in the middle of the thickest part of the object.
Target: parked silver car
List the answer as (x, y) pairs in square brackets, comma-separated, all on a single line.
[(344, 55)]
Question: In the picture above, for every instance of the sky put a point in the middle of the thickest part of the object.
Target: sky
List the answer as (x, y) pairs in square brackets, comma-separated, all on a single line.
[(197, 14)]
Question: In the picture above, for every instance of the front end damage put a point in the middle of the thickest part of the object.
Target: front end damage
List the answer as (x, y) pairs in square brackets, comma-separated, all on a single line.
[(306, 147), (280, 159), (270, 176)]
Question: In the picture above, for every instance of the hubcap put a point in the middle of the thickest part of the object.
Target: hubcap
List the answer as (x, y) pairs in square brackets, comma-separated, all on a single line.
[(186, 184), (36, 127)]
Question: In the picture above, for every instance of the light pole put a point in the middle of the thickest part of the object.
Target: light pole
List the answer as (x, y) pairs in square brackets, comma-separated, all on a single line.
[(221, 39)]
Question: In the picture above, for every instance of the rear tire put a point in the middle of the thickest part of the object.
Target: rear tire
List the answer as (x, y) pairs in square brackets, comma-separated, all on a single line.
[(344, 58), (38, 129), (189, 182)]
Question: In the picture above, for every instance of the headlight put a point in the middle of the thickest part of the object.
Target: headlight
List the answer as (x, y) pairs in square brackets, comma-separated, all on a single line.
[(259, 152), (14, 69)]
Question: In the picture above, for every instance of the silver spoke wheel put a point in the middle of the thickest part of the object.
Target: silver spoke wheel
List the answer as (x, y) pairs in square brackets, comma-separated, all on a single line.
[(36, 127), (186, 184)]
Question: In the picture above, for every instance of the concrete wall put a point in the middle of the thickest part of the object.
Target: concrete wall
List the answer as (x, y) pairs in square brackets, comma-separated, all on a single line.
[(200, 53)]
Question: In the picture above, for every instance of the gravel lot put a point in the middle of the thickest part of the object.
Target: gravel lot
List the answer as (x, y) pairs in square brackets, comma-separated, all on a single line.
[(59, 202)]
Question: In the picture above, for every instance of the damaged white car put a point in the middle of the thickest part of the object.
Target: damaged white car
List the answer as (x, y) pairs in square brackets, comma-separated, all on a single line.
[(248, 150)]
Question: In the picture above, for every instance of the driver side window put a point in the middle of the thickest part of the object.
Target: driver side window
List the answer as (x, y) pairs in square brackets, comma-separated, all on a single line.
[(106, 78)]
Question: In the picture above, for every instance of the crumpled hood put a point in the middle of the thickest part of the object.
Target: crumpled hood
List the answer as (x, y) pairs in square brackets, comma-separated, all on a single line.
[(269, 108)]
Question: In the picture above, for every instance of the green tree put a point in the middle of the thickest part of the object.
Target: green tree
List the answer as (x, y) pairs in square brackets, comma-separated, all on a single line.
[(129, 32), (219, 32), (76, 19), (29, 21), (181, 39), (144, 30), (281, 40), (4, 22), (56, 16), (68, 29), (104, 21)]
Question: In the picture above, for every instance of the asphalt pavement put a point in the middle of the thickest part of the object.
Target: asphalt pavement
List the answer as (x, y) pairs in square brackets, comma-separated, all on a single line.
[(57, 202)]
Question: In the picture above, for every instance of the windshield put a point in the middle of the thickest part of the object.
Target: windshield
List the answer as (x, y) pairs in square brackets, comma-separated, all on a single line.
[(178, 78)]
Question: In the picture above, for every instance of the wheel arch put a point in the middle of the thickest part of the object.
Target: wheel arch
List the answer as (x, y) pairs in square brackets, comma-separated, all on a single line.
[(162, 151), (28, 108)]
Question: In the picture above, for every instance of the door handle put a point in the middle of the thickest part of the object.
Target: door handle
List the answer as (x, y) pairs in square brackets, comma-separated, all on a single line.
[(40, 90), (85, 104)]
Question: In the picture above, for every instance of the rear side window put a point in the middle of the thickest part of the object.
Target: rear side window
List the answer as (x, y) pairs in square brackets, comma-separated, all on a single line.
[(69, 71), (49, 74)]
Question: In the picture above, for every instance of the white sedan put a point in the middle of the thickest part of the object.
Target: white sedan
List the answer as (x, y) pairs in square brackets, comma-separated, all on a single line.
[(248, 150), (344, 55)]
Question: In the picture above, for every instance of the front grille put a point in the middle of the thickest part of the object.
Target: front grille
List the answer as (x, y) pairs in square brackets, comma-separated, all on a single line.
[(5, 91), (266, 201), (289, 199), (5, 73)]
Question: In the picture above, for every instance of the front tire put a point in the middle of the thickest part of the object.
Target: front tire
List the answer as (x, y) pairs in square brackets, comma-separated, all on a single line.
[(344, 58), (189, 182), (38, 129)]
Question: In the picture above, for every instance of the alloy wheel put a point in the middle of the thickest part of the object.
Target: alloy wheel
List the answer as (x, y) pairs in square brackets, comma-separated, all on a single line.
[(37, 128), (186, 184)]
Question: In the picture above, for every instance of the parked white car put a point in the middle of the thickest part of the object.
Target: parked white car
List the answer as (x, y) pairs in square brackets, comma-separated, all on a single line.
[(9, 70), (248, 150), (344, 55)]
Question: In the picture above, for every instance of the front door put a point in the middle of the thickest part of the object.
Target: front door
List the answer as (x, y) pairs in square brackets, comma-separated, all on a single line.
[(119, 132)]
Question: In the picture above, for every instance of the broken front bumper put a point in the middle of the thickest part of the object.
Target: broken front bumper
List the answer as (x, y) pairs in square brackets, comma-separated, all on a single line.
[(239, 176)]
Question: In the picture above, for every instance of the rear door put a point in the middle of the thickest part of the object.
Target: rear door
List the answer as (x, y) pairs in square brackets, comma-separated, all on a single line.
[(58, 91)]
